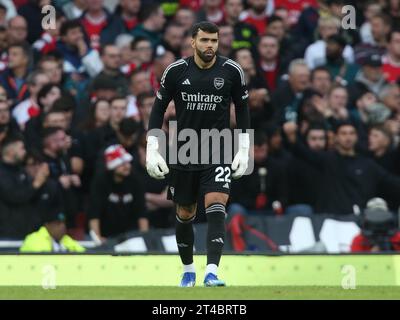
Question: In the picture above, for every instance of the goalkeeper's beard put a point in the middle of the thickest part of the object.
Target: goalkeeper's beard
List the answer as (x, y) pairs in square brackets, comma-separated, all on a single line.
[(204, 57)]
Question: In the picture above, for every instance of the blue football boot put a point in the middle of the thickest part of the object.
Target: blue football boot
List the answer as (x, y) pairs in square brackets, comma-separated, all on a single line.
[(211, 280), (188, 279)]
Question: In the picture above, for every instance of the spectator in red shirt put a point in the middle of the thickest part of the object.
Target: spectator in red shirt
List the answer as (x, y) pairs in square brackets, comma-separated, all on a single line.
[(268, 49), (101, 26), (128, 12), (256, 15), (391, 61), (295, 7)]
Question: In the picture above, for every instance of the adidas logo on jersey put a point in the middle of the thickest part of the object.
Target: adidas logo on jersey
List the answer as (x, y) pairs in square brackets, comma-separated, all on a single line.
[(219, 240), (186, 82), (226, 185)]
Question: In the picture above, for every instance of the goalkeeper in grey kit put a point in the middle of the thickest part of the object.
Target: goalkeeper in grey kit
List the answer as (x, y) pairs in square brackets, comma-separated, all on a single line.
[(202, 87)]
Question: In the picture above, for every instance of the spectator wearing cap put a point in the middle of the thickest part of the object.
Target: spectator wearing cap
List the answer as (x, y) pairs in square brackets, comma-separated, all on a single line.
[(348, 179), (101, 26), (117, 202), (381, 25), (52, 236), (315, 54), (340, 70), (391, 60), (370, 75), (19, 193), (153, 20)]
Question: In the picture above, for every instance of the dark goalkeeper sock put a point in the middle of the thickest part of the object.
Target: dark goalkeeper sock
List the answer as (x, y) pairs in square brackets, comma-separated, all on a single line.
[(216, 232), (185, 239)]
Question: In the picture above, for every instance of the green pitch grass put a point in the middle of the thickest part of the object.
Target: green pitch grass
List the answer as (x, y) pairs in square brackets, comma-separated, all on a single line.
[(199, 293)]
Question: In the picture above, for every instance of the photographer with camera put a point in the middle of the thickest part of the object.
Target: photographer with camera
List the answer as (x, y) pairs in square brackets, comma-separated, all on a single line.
[(379, 232)]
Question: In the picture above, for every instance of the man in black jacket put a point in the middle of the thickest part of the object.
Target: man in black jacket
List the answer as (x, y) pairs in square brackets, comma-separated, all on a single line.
[(304, 178), (348, 180), (19, 193)]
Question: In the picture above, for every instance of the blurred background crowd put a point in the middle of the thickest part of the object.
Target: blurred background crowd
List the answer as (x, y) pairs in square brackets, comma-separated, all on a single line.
[(75, 101)]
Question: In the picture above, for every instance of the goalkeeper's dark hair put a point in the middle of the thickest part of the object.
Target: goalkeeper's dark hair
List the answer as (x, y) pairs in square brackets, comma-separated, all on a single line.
[(205, 26)]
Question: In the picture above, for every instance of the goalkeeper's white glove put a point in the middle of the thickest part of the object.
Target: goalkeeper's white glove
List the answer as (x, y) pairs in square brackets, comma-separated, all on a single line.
[(241, 160), (155, 164)]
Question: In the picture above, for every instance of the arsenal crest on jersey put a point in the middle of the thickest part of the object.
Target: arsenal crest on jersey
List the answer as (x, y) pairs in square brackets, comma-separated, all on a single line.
[(218, 83)]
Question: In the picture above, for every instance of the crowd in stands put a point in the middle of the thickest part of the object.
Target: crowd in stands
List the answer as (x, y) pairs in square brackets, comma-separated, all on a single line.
[(75, 102)]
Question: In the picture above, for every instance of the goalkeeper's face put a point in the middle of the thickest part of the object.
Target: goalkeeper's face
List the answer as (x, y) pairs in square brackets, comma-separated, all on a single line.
[(205, 45)]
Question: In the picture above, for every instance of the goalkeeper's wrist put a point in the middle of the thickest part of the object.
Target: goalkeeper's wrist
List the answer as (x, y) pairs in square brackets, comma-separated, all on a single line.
[(152, 143), (244, 141)]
